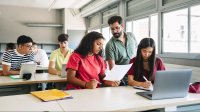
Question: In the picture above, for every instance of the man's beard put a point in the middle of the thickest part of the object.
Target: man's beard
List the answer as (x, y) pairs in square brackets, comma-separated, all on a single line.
[(117, 35)]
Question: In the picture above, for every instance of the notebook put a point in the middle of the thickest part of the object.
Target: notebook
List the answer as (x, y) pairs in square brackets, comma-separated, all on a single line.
[(25, 68), (63, 71), (142, 88), (49, 95), (169, 84)]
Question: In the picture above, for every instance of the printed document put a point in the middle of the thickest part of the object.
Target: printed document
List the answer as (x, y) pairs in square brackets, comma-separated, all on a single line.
[(117, 72)]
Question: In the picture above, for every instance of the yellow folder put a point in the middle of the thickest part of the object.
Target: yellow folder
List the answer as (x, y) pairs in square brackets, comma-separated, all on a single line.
[(53, 94)]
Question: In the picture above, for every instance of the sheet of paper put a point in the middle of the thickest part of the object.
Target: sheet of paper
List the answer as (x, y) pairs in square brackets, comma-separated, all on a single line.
[(117, 72), (142, 88), (14, 76)]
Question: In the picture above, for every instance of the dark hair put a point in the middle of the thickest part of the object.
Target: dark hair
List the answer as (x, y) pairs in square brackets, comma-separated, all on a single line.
[(144, 43), (63, 37), (114, 19), (34, 43), (86, 44), (23, 39), (10, 46)]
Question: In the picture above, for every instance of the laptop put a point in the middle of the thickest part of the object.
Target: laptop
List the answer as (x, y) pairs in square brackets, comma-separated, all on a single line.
[(63, 71), (169, 84), (25, 68)]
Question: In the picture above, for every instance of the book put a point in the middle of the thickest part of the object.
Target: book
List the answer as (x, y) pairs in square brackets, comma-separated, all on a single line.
[(49, 95), (15, 77)]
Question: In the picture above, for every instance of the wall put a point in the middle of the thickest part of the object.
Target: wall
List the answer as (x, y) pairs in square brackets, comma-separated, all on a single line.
[(74, 26), (195, 70), (73, 21), (75, 37), (13, 22)]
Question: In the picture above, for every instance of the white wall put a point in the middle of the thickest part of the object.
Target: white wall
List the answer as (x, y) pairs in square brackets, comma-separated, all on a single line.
[(74, 22), (74, 26), (13, 23)]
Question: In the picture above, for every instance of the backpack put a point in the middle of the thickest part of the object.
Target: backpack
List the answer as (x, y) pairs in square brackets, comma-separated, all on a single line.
[(194, 88)]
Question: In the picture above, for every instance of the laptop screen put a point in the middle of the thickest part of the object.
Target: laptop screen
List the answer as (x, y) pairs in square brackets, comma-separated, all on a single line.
[(171, 84)]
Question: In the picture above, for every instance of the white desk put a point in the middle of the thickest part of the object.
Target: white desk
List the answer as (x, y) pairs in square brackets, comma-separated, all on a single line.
[(9, 86), (6, 80), (46, 77), (37, 68), (27, 103), (102, 99), (37, 78), (119, 99), (41, 68)]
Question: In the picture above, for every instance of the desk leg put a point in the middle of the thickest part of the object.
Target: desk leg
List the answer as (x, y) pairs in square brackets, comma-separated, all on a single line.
[(44, 86)]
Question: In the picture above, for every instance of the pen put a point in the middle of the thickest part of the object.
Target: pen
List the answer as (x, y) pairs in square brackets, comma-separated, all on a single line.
[(145, 78)]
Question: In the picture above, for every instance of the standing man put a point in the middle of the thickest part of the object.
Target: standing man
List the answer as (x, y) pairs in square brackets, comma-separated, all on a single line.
[(121, 47), (12, 59), (60, 56)]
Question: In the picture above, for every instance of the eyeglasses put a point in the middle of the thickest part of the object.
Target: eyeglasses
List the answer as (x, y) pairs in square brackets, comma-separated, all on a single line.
[(28, 46)]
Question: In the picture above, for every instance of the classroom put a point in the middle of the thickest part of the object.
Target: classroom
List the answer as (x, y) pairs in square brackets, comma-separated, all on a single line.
[(101, 52)]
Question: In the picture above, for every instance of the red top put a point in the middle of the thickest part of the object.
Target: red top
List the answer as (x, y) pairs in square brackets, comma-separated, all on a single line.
[(159, 65), (86, 68)]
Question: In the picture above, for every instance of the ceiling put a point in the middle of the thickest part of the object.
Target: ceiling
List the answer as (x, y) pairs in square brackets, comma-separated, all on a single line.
[(49, 4)]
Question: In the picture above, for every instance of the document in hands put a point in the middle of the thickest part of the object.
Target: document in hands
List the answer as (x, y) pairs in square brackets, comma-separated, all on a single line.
[(49, 95), (117, 72)]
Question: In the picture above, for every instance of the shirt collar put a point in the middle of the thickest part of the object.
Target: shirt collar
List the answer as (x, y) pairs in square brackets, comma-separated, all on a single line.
[(18, 53)]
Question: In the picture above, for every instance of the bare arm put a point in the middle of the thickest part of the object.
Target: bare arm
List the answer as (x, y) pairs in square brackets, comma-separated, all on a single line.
[(107, 82), (7, 71), (111, 83), (133, 82), (71, 78), (111, 63), (52, 70)]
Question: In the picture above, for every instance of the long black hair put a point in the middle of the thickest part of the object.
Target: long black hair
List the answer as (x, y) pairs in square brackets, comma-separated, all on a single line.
[(144, 43), (86, 44)]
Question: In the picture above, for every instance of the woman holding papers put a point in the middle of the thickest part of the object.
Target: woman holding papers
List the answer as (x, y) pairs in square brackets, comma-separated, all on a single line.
[(145, 65), (86, 67)]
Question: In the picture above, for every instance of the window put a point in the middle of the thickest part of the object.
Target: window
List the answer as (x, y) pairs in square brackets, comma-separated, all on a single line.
[(107, 34), (141, 29), (175, 33), (129, 26), (97, 30), (154, 30), (195, 30)]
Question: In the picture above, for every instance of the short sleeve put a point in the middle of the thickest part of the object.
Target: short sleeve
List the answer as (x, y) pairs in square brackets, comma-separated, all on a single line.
[(160, 64), (53, 56), (109, 51), (103, 66), (6, 58), (73, 62), (134, 40), (44, 58), (132, 69)]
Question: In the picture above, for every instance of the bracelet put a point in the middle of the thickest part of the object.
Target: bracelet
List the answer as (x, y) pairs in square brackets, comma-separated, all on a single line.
[(85, 84)]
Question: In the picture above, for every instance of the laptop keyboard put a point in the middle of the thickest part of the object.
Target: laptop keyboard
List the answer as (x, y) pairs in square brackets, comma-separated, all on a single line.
[(149, 95)]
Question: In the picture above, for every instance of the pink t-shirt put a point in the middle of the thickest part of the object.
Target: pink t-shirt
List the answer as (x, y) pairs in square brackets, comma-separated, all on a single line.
[(86, 68), (159, 65)]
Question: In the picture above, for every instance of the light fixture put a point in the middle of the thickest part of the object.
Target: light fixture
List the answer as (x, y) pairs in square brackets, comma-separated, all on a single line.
[(52, 4)]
